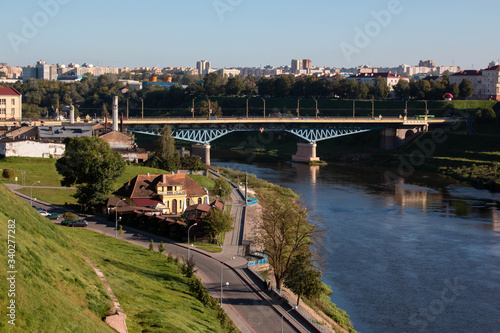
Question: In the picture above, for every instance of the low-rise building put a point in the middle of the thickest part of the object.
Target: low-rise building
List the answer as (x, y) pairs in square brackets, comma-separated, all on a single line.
[(170, 193), (392, 79), (10, 104), (30, 148)]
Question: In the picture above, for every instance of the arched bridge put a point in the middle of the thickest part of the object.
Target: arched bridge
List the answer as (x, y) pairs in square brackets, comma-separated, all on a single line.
[(202, 131)]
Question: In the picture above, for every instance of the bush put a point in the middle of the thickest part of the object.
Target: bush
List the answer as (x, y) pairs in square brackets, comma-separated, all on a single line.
[(68, 216), (485, 115), (8, 173)]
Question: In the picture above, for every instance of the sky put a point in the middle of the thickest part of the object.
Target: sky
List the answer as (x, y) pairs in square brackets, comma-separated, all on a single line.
[(249, 33)]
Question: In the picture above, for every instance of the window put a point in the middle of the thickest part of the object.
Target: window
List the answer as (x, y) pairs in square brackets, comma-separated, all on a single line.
[(12, 111), (2, 110), (3, 101), (13, 101), (199, 201)]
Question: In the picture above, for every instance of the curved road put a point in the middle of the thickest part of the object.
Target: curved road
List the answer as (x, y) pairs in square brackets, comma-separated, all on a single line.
[(245, 300)]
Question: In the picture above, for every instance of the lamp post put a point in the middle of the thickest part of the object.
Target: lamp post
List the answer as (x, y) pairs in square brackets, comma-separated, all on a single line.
[(317, 111), (142, 110), (116, 217), (294, 308), (192, 109), (227, 283), (247, 108), (188, 237), (263, 100), (31, 200)]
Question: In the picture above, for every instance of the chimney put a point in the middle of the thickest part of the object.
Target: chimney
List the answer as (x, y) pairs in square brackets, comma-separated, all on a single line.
[(164, 180), (115, 113), (72, 115)]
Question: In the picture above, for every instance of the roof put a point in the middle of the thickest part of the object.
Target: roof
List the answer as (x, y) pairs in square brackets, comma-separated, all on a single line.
[(144, 186), (199, 207), (9, 92), (388, 75), (468, 73), (147, 202), (492, 68)]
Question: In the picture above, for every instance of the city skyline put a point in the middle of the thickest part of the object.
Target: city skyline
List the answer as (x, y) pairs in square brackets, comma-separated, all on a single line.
[(248, 34)]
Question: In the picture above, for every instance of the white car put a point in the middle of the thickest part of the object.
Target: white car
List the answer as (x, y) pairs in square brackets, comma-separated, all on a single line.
[(42, 211)]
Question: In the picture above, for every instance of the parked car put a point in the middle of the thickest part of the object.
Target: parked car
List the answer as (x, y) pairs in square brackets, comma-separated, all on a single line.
[(81, 224), (52, 216), (67, 222), (42, 211)]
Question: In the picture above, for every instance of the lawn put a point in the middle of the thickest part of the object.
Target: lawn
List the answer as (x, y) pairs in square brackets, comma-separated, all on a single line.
[(57, 291), (204, 181), (55, 196)]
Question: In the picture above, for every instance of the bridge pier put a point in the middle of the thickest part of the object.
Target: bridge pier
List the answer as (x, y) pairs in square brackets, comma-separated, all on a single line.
[(393, 138), (203, 151), (306, 152)]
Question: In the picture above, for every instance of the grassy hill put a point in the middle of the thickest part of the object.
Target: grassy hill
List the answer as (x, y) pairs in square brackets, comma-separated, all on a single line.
[(57, 291)]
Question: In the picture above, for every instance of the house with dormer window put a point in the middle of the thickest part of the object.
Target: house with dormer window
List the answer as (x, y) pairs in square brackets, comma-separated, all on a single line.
[(169, 193)]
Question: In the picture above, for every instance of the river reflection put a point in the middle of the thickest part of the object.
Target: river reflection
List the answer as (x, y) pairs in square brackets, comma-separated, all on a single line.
[(417, 254)]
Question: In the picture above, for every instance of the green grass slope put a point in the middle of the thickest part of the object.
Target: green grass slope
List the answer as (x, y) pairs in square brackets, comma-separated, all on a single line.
[(56, 291)]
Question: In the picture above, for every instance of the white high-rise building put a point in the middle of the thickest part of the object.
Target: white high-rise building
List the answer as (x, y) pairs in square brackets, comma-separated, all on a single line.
[(203, 67)]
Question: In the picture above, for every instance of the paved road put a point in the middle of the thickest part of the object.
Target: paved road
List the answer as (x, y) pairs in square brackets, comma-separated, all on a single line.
[(245, 300)]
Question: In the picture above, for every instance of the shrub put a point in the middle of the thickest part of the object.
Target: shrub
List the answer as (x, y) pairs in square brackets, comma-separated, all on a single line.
[(8, 173), (68, 216)]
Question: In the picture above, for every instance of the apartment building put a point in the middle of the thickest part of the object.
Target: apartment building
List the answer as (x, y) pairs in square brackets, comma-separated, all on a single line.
[(486, 82), (10, 104)]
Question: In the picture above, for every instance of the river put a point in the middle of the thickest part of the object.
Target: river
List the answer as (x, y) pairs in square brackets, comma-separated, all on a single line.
[(421, 254)]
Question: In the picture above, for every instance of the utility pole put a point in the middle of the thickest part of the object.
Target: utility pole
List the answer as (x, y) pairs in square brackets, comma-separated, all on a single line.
[(373, 109), (192, 109), (142, 112), (317, 111)]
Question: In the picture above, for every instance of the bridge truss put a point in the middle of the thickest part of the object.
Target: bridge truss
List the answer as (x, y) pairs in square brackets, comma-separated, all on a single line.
[(205, 135)]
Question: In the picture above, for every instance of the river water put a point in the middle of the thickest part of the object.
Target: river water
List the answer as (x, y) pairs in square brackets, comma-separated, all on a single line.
[(419, 254)]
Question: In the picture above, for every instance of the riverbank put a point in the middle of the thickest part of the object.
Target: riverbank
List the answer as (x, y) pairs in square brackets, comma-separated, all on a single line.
[(322, 310)]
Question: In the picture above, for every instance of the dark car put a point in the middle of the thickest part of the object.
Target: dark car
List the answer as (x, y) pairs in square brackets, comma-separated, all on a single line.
[(67, 222), (52, 216), (81, 224)]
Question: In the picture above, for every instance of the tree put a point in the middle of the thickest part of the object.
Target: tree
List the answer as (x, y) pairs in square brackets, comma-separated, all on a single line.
[(234, 86), (90, 163), (362, 90), (485, 115), (68, 216), (217, 223), (161, 248), (285, 233), (191, 162), (222, 188), (165, 157), (216, 110), (465, 89), (8, 173), (381, 88), (303, 278), (402, 89)]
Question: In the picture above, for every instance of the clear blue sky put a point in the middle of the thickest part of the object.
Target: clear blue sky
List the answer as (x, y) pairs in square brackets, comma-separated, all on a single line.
[(249, 32)]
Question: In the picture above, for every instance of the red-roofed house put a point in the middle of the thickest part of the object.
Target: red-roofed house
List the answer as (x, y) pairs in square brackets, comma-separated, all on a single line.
[(486, 82), (170, 193), (10, 104)]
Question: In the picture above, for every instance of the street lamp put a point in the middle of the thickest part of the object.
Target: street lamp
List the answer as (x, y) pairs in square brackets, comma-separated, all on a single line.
[(294, 308), (227, 283), (142, 112), (192, 109), (31, 201), (247, 108), (317, 111), (188, 238), (116, 217), (263, 100)]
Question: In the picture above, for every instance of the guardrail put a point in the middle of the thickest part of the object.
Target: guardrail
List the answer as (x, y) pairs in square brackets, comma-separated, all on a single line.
[(265, 260)]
